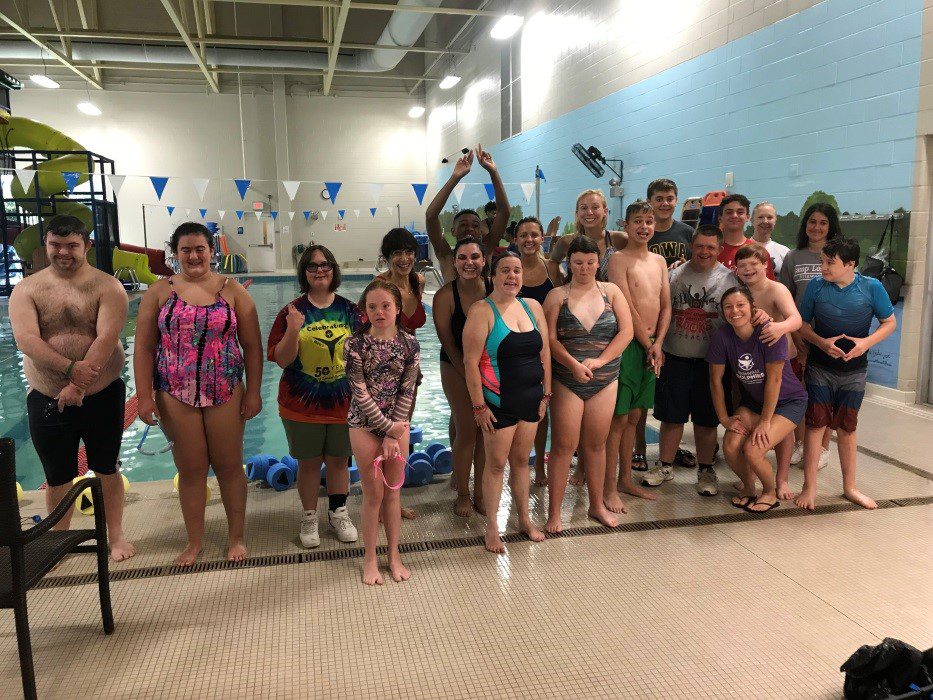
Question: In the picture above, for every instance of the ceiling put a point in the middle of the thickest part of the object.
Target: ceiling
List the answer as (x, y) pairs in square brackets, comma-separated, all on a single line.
[(165, 45)]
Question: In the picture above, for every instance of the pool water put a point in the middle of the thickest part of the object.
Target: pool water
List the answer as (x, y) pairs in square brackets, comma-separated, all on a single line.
[(264, 433)]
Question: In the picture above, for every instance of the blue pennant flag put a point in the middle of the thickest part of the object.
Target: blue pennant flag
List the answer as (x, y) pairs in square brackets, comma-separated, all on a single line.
[(307, 215), (372, 210), (203, 213), (171, 210), (242, 186), (332, 189), (341, 212), (71, 180), (274, 215), (540, 173), (420, 188), (158, 184), (239, 215), (490, 191)]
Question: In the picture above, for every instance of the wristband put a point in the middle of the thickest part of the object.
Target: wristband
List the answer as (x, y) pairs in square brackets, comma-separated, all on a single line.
[(547, 397), (479, 408), (70, 367)]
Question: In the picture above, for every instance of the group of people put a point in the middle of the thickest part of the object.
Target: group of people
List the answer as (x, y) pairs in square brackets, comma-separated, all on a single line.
[(689, 323)]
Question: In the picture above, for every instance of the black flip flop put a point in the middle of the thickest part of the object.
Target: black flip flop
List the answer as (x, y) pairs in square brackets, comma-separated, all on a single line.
[(748, 500), (771, 506)]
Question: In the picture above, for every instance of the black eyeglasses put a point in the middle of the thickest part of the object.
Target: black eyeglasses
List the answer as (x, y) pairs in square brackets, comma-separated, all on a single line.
[(323, 267)]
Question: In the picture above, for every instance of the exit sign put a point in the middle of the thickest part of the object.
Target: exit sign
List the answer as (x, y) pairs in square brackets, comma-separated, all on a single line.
[(259, 206)]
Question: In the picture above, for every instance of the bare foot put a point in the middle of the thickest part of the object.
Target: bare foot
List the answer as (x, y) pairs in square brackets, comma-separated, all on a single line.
[(463, 506), (399, 572), (540, 477), (493, 542), (188, 557), (784, 492), (860, 499), (631, 489), (806, 499), (121, 550), (577, 478), (408, 513), (603, 516), (534, 534), (371, 575), (614, 503), (554, 525), (236, 551), (478, 506)]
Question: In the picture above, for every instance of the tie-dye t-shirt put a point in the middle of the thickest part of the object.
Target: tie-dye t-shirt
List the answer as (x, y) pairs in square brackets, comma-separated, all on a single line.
[(314, 388)]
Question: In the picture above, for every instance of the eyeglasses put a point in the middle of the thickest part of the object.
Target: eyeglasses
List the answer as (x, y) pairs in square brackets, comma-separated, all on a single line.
[(168, 446), (323, 267)]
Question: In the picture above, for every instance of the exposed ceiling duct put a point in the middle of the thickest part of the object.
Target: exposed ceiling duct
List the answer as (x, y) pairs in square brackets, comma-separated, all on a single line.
[(402, 30)]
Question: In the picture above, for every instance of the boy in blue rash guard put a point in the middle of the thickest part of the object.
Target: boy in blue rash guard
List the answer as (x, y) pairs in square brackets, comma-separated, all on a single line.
[(837, 311)]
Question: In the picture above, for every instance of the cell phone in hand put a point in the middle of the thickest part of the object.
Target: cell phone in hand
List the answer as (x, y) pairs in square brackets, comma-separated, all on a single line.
[(844, 344)]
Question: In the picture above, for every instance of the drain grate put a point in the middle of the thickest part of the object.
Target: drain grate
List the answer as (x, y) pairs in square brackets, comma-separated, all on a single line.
[(464, 542)]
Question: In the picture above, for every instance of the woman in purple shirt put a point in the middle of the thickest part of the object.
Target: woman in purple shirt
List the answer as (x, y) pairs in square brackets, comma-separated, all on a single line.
[(773, 399)]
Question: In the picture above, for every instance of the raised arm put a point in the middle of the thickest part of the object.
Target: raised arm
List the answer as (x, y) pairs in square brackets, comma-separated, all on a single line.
[(432, 214), (251, 341), (497, 229)]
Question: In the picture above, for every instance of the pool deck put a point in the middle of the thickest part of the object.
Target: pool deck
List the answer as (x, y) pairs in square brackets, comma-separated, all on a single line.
[(689, 597)]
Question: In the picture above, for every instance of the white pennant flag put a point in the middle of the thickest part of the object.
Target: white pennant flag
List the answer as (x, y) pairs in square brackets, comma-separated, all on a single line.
[(356, 212), (458, 190), (116, 182), (258, 214), (529, 189), (200, 184), (25, 177), (221, 212), (375, 189), (291, 215), (188, 213), (291, 187), (323, 214), (391, 210)]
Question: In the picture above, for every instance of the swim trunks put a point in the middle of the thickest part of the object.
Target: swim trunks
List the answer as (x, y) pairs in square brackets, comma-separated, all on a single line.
[(636, 380)]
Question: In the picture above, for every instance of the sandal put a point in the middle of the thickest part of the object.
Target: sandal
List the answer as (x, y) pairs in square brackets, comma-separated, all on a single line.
[(639, 462), (685, 458), (748, 500), (770, 506)]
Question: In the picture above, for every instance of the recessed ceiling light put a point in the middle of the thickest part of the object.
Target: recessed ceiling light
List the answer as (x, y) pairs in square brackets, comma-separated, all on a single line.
[(89, 108), (449, 81), (44, 81), (416, 111), (506, 26)]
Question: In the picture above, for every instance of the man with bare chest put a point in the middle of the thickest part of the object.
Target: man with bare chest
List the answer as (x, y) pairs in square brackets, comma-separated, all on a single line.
[(66, 321), (642, 277)]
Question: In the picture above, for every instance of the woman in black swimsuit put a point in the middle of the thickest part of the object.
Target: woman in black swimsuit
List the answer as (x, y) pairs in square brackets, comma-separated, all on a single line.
[(451, 303)]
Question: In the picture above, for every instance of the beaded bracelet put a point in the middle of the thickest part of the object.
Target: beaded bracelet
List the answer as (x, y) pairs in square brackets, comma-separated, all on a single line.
[(479, 408)]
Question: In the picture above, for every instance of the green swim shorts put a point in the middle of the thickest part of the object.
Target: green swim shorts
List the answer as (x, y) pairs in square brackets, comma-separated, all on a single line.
[(636, 380), (309, 440)]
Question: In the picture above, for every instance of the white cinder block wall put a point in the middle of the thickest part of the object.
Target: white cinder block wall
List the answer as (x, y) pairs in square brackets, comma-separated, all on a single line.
[(349, 139)]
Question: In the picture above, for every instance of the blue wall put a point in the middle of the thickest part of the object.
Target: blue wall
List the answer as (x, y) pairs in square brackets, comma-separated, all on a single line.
[(832, 90)]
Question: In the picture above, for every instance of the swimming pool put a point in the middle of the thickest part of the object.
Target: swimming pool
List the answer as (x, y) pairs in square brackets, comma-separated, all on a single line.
[(264, 434)]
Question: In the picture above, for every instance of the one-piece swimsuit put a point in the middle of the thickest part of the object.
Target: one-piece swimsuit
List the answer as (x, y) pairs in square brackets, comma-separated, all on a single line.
[(602, 274), (538, 292), (198, 358), (458, 320), (583, 344), (511, 371)]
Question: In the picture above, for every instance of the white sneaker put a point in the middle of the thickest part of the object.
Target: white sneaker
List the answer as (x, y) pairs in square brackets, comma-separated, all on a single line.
[(824, 458), (707, 482), (308, 534), (797, 455), (340, 520), (658, 475)]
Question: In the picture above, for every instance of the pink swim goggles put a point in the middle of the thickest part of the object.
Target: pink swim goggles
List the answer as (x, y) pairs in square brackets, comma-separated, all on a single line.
[(377, 465)]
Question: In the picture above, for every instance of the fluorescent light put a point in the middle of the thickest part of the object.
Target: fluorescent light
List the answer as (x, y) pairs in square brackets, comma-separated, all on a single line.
[(416, 111), (449, 81), (89, 108), (44, 81), (506, 26)]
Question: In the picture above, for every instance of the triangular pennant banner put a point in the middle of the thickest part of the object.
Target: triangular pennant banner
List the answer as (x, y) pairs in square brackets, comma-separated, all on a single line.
[(242, 186), (71, 180), (291, 215), (372, 210), (529, 189), (356, 212), (171, 210), (420, 188), (375, 189), (458, 190), (274, 215), (258, 214), (540, 174), (203, 213), (239, 215), (341, 212), (116, 182), (158, 184), (221, 212), (332, 189), (187, 213), (391, 210), (307, 215), (323, 215), (291, 187), (25, 177), (200, 184), (490, 191)]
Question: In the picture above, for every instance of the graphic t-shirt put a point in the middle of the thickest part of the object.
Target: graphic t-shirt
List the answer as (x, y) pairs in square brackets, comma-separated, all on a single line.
[(799, 267), (695, 296), (747, 360), (833, 310), (727, 257), (314, 388), (672, 244)]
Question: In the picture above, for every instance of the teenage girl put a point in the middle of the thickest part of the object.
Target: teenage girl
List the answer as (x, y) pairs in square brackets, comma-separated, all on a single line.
[(382, 363), (592, 213)]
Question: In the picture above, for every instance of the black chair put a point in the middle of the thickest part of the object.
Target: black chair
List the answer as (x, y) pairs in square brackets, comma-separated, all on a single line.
[(28, 555)]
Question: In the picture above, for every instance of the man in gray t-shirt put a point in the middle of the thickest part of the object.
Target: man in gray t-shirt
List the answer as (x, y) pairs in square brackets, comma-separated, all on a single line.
[(682, 392)]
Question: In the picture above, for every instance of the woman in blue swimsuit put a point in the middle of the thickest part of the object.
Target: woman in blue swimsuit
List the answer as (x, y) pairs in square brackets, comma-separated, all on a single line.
[(508, 374)]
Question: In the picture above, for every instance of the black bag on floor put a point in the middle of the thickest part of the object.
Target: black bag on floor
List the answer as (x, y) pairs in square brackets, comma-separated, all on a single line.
[(886, 670)]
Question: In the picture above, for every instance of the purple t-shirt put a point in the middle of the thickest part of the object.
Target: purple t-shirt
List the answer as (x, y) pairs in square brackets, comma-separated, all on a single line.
[(748, 358)]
